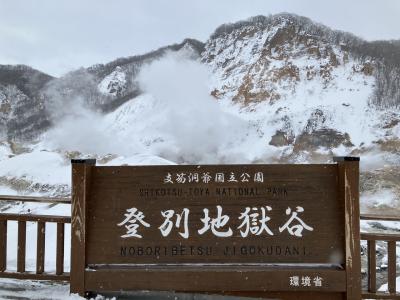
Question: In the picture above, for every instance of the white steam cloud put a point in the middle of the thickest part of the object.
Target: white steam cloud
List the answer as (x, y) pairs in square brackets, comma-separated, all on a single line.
[(176, 118), (197, 128)]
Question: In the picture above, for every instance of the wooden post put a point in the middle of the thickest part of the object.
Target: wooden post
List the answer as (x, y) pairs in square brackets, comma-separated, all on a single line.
[(371, 266), (81, 171), (40, 247), (391, 266), (348, 180), (60, 249), (21, 252), (3, 245)]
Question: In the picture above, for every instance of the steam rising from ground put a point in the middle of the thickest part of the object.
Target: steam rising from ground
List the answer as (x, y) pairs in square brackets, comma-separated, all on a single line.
[(197, 128), (175, 118)]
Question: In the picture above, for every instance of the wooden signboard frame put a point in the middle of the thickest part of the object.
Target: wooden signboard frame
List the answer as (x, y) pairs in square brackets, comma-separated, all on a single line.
[(103, 255)]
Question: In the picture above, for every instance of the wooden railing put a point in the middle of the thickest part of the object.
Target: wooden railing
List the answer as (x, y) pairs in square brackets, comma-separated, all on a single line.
[(41, 220), (36, 199), (390, 240)]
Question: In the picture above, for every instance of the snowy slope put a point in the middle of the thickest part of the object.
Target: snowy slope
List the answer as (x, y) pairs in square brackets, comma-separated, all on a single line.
[(114, 84), (296, 82)]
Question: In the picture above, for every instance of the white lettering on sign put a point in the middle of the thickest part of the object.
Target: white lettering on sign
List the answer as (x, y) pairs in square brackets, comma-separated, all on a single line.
[(244, 177), (193, 177), (317, 281), (166, 227), (219, 177), (294, 281), (305, 281), (259, 177), (215, 223), (181, 178), (232, 177), (168, 178), (254, 221), (298, 228), (208, 177), (132, 219)]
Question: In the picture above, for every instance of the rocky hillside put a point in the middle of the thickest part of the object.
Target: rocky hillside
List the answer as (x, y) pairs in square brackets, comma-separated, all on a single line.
[(22, 105), (28, 97), (281, 89), (263, 59)]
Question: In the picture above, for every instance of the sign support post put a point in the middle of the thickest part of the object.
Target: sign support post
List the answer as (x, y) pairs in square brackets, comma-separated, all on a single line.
[(81, 171), (348, 180)]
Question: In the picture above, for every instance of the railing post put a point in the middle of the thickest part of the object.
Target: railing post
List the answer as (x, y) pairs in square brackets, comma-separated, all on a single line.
[(348, 179), (40, 247), (81, 173), (3, 245), (21, 252), (371, 266), (60, 249), (391, 248)]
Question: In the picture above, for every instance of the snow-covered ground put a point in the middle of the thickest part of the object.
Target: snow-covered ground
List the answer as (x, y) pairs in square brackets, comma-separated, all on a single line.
[(35, 290), (384, 288)]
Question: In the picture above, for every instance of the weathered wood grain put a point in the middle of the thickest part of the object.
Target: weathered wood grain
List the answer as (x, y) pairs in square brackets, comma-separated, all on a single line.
[(40, 247), (3, 245), (371, 266), (34, 218), (60, 249), (313, 187), (210, 279), (327, 195), (81, 173), (36, 199), (392, 266), (348, 185), (21, 252)]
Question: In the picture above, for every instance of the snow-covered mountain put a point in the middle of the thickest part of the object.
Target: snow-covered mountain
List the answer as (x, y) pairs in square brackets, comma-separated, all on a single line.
[(22, 106), (269, 89)]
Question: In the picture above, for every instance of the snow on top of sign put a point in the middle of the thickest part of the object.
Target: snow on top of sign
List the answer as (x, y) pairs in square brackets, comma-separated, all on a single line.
[(138, 160)]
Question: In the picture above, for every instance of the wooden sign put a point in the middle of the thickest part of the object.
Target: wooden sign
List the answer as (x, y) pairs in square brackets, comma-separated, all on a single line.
[(272, 230)]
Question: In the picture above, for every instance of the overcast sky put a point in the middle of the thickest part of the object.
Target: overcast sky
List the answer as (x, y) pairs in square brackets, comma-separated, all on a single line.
[(59, 36)]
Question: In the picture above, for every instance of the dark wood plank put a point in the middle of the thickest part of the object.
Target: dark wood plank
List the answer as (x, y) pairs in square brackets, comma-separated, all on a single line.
[(35, 199), (35, 218), (21, 246), (380, 236), (40, 247), (211, 279), (379, 217), (313, 187), (3, 245), (348, 179), (371, 266), (81, 174), (391, 266), (34, 276), (380, 295), (60, 249), (287, 295)]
